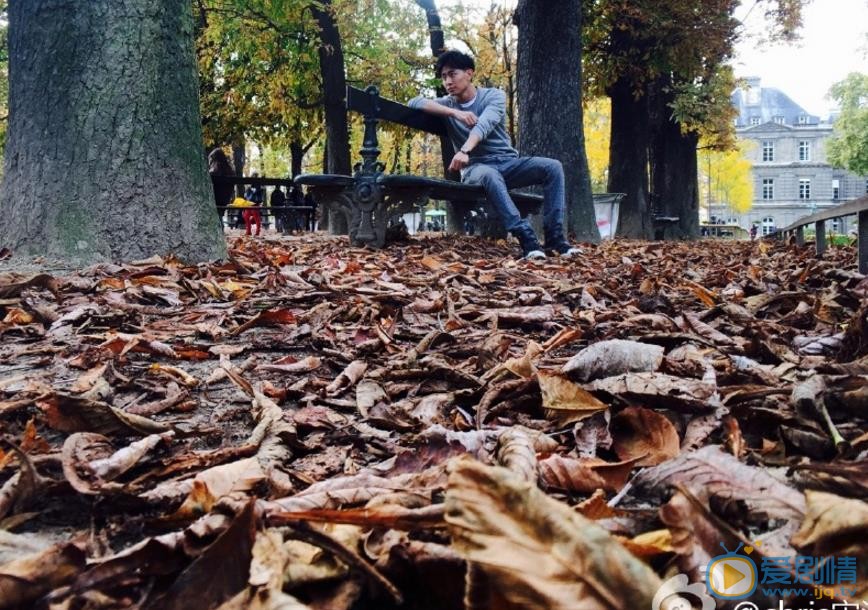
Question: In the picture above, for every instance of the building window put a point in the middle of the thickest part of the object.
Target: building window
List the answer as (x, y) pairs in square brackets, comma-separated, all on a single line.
[(836, 189), (803, 120), (754, 120), (768, 189), (779, 120), (804, 188), (768, 225), (768, 150), (836, 225), (866, 187), (732, 220), (804, 150)]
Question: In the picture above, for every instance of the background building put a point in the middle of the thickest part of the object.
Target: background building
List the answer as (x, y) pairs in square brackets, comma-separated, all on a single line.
[(791, 176)]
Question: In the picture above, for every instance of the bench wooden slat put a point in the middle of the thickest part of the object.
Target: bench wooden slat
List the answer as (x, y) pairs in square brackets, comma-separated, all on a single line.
[(386, 109), (451, 190), (336, 181), (258, 180)]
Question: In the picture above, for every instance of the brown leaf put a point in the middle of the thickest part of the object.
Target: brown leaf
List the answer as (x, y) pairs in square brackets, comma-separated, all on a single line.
[(267, 318), (585, 475), (305, 365), (565, 401), (832, 525), (219, 573), (657, 388), (537, 552), (348, 377), (27, 579), (69, 413), (710, 472), (37, 281), (644, 434)]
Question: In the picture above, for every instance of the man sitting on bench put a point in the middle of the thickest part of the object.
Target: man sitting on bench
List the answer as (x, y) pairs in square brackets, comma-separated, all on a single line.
[(476, 123)]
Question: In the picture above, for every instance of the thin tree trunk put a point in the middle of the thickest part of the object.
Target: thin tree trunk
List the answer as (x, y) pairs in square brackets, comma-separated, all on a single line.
[(550, 109), (239, 159), (674, 172), (104, 159), (296, 155), (628, 160), (331, 63)]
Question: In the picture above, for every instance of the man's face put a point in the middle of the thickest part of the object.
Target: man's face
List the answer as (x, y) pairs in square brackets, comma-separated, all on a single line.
[(455, 81)]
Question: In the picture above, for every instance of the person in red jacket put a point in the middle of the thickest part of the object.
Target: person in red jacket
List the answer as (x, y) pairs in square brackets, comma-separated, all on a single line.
[(250, 217)]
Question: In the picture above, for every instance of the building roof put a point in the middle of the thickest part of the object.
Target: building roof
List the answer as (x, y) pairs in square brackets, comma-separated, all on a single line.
[(768, 104)]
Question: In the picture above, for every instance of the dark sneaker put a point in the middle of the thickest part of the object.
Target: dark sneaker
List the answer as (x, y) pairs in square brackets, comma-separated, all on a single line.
[(530, 248)]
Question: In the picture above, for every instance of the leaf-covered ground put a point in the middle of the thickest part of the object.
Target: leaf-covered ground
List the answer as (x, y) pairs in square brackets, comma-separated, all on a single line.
[(436, 424)]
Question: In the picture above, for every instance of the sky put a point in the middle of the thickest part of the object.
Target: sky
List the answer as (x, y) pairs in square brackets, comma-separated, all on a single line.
[(833, 44)]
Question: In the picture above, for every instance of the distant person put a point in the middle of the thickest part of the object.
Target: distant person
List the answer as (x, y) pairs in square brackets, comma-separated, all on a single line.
[(752, 232), (469, 225), (475, 120), (277, 201), (218, 165), (255, 194), (310, 214), (251, 217)]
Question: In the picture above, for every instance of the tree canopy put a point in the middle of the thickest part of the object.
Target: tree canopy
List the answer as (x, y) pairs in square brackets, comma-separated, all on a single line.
[(848, 146)]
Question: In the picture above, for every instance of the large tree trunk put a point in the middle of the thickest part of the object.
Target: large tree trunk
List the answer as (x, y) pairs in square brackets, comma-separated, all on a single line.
[(104, 158), (550, 109), (334, 83), (628, 160), (674, 175)]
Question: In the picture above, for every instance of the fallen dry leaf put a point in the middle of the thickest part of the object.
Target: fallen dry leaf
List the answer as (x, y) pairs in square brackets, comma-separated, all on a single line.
[(564, 400), (536, 552), (643, 434)]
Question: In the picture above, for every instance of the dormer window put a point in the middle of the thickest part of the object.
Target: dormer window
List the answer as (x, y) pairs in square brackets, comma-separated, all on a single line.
[(779, 120), (803, 119), (754, 120)]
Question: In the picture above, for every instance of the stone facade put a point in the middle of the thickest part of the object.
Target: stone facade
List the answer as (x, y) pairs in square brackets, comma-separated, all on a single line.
[(791, 176)]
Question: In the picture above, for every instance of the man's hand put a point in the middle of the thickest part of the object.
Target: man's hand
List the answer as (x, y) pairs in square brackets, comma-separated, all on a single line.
[(466, 117), (459, 162)]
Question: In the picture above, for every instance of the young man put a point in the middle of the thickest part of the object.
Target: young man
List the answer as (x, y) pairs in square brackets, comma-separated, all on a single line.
[(476, 122)]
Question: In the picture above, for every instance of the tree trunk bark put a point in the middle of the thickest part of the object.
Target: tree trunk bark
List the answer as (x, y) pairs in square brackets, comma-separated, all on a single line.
[(331, 66), (296, 155), (550, 109), (674, 172), (105, 140), (628, 160), (239, 158)]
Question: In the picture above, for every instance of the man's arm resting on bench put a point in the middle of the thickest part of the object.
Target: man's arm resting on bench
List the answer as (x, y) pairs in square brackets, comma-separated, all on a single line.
[(437, 108)]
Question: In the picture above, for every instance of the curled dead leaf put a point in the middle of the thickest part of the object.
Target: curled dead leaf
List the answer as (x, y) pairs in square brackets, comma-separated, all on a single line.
[(566, 401), (645, 434)]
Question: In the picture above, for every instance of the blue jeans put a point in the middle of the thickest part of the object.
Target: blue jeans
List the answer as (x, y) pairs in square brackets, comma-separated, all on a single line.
[(499, 175)]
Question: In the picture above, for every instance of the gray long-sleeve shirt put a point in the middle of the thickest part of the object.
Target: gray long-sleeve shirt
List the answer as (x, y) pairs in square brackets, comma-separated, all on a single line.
[(490, 108)]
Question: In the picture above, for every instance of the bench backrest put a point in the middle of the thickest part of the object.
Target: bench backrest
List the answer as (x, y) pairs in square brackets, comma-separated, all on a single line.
[(370, 104)]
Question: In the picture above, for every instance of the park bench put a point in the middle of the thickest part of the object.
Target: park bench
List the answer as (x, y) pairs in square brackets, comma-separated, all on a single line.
[(370, 198), (857, 207)]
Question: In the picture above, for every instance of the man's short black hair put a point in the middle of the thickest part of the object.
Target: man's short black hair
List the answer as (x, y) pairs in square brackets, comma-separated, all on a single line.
[(454, 59)]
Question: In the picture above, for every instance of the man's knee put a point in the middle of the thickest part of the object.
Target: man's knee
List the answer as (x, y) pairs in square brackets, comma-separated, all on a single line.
[(482, 174), (552, 166)]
